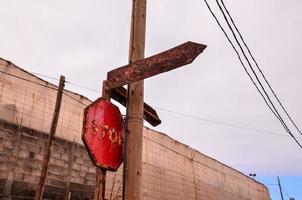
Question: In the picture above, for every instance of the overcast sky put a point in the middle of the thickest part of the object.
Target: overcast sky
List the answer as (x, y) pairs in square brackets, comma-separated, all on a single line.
[(84, 39)]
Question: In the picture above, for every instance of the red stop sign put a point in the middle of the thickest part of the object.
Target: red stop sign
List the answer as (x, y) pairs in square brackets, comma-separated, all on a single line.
[(103, 134)]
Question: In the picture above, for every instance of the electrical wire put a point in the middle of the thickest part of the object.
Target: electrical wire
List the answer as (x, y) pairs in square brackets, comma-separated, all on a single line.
[(46, 76), (238, 55), (255, 74), (75, 99), (220, 123), (24, 79), (67, 82), (257, 65), (271, 107), (84, 87), (257, 78), (286, 193), (271, 184)]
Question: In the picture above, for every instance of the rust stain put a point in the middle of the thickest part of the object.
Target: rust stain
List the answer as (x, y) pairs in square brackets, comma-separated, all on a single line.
[(168, 60), (150, 115)]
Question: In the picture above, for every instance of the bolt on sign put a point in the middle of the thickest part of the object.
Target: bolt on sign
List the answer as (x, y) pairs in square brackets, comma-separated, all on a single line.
[(103, 134)]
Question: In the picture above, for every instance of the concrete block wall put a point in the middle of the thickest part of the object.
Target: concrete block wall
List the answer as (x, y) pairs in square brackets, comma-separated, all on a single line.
[(24, 153), (70, 171), (171, 170)]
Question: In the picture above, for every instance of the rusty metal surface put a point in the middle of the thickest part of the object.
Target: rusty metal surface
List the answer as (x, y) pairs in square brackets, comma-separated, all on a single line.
[(103, 134), (150, 115), (168, 60)]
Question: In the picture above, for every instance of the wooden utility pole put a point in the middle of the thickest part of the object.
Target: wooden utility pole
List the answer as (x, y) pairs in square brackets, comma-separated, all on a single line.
[(41, 184), (134, 132), (280, 188), (100, 184), (100, 177)]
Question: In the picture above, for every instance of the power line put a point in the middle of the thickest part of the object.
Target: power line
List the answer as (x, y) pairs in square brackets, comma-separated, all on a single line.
[(271, 105), (238, 55), (255, 74), (46, 76), (84, 87), (75, 99), (67, 82), (221, 123), (24, 79), (257, 78), (273, 184), (257, 65), (286, 193)]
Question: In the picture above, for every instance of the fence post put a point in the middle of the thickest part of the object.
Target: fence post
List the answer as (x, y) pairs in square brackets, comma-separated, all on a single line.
[(54, 123)]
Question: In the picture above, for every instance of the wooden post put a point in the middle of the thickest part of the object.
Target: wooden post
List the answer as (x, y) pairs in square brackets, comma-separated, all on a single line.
[(100, 176), (134, 127), (100, 184), (41, 184)]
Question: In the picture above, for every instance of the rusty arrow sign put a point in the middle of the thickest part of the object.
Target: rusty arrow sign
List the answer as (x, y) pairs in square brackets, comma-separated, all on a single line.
[(150, 115), (168, 60)]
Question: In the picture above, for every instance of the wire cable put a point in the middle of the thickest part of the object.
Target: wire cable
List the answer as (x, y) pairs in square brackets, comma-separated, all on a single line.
[(46, 76), (75, 99), (238, 55), (257, 65), (257, 78), (84, 87), (67, 82), (255, 74), (221, 123), (285, 193), (24, 79)]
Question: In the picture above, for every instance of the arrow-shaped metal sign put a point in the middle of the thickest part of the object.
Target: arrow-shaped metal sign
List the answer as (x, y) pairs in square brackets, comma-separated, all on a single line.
[(150, 115), (168, 60)]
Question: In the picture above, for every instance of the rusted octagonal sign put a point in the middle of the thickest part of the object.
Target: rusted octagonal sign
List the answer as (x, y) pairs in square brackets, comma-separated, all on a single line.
[(103, 134)]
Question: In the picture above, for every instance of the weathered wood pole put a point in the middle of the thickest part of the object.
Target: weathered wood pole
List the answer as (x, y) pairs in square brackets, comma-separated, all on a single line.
[(54, 123), (100, 177), (134, 134), (100, 184)]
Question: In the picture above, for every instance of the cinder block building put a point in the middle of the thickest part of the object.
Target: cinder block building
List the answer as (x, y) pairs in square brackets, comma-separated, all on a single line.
[(171, 170)]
